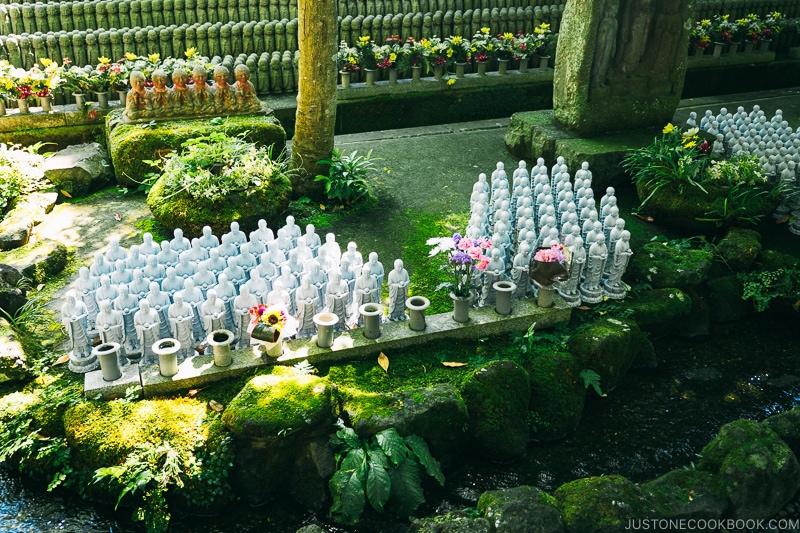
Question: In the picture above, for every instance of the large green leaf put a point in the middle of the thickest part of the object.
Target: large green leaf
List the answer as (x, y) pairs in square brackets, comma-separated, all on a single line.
[(353, 460), (420, 449), (349, 437), (379, 485), (406, 488), (347, 490), (392, 445), (376, 455)]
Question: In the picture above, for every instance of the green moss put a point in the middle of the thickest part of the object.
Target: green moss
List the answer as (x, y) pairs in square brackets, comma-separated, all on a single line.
[(657, 311), (557, 395), (687, 494), (155, 228), (605, 347), (599, 503)]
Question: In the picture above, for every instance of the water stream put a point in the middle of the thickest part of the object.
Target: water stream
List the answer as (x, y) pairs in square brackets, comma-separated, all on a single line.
[(655, 421)]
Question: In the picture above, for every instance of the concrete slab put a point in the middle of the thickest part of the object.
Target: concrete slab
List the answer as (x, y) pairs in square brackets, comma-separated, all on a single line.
[(94, 385)]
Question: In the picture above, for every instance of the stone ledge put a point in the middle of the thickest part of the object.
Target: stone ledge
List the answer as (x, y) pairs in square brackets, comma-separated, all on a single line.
[(727, 60), (94, 385)]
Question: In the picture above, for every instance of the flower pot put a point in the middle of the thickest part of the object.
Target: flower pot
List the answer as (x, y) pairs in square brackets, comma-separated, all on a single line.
[(345, 79), (370, 76), (545, 298), (102, 99), (2, 107), (481, 68), (80, 100), (122, 94), (505, 289), (502, 66), (392, 76), (23, 106), (46, 103), (372, 314), (523, 65), (460, 69), (460, 308), (325, 322), (748, 47), (107, 354), (733, 48), (718, 49), (416, 73), (220, 341), (167, 352), (763, 45), (416, 312), (546, 272), (438, 72), (698, 51), (543, 62)]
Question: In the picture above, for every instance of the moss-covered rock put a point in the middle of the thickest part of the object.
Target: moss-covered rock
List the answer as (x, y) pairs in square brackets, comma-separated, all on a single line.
[(497, 397), (659, 311), (521, 510), (45, 257), (760, 472), (697, 322), (13, 360), (130, 145), (739, 248), (453, 522), (600, 504), (787, 427), (726, 299), (557, 396), (436, 413), (605, 347), (687, 494), (282, 403), (773, 260), (662, 266), (643, 349)]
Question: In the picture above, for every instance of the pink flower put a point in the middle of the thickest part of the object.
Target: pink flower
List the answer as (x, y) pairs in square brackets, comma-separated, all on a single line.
[(464, 244), (482, 265), (484, 243), (474, 253)]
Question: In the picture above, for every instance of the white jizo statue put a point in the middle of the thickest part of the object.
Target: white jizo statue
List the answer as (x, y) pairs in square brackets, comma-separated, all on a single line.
[(75, 318), (398, 281), (337, 294), (365, 291), (181, 318), (148, 326), (494, 272), (353, 256), (307, 302), (111, 327), (212, 312), (520, 271), (376, 269), (241, 314), (614, 286)]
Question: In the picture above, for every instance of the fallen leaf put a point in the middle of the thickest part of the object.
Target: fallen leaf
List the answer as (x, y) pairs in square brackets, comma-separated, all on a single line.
[(451, 364), (584, 308), (216, 406), (39, 287), (117, 217), (383, 361), (782, 220), (644, 217), (193, 392), (65, 193), (61, 360), (322, 207)]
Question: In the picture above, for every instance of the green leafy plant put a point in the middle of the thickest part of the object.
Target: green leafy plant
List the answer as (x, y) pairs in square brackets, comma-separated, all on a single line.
[(20, 172), (385, 470), (32, 312), (743, 179), (591, 379), (347, 179), (763, 286)]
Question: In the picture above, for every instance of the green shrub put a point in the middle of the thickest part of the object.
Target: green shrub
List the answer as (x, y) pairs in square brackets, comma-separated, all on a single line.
[(346, 181)]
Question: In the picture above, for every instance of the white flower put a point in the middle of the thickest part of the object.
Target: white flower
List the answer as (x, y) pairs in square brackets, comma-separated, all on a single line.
[(653, 270)]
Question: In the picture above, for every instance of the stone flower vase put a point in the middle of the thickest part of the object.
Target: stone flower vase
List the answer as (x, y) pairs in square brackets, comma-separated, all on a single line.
[(220, 341), (266, 335), (370, 73), (392, 75), (122, 94), (545, 296), (372, 314), (2, 107), (505, 290), (733, 48), (543, 62), (438, 72), (502, 66), (80, 100), (481, 67), (523, 65), (416, 312), (416, 73), (460, 308), (345, 79), (325, 322), (107, 354), (460, 69), (718, 49), (699, 51), (167, 352), (46, 103), (763, 46), (24, 106), (748, 47), (102, 99)]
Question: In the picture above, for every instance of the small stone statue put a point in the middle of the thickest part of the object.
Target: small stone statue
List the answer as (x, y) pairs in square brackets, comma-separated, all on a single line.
[(307, 301), (194, 297), (590, 288), (279, 297), (494, 272), (172, 283), (226, 291), (159, 302), (224, 94), (75, 318), (292, 230), (86, 290), (376, 269), (212, 312), (139, 285), (137, 104), (148, 247), (111, 327), (241, 314), (520, 271), (180, 96), (614, 287), (115, 252), (569, 288), (148, 326), (100, 266), (159, 95), (202, 94), (128, 304), (208, 240), (337, 294), (246, 97), (167, 256), (256, 286), (135, 259), (398, 290), (236, 236), (106, 291), (312, 239), (179, 243), (181, 319), (365, 291)]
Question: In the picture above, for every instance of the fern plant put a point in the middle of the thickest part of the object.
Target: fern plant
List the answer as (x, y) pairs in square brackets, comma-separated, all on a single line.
[(385, 471), (591, 379), (346, 181)]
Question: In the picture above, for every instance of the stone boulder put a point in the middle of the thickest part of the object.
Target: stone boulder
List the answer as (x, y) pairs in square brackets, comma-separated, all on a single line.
[(697, 322), (739, 248), (12, 295), (557, 395), (436, 413), (661, 266), (726, 299), (787, 427), (314, 465), (497, 397), (600, 504), (660, 311), (687, 494), (13, 361), (521, 510), (773, 260), (760, 472), (79, 169), (37, 261), (15, 231), (605, 347), (453, 522)]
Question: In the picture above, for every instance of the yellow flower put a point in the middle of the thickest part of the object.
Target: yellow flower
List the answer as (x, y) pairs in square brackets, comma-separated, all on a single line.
[(689, 143), (485, 30), (508, 36), (352, 60), (392, 57), (668, 129), (705, 22), (46, 62), (451, 81), (104, 60), (474, 49), (425, 43), (153, 57), (489, 46), (449, 52), (377, 55), (364, 39), (130, 56), (190, 52), (457, 39)]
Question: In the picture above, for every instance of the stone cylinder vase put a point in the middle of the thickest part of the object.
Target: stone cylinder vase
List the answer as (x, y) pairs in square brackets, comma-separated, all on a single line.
[(460, 308), (372, 313), (370, 74), (2, 107), (698, 51), (543, 62), (46, 103), (763, 45), (167, 352), (325, 322), (748, 47), (505, 290), (545, 298), (416, 74), (102, 99), (416, 312), (733, 48), (24, 106), (80, 100), (438, 72), (392, 76), (718, 49), (460, 69), (481, 67), (220, 341), (523, 65), (345, 79), (122, 94), (502, 66), (108, 355)]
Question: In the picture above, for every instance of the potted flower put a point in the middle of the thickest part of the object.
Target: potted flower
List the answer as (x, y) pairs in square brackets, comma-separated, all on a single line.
[(45, 81), (348, 60), (525, 46), (460, 52), (700, 36), (753, 32), (76, 81), (722, 31), (21, 92), (440, 53), (546, 269), (481, 46), (266, 324), (101, 81), (415, 57), (503, 50), (368, 57), (772, 26), (465, 256), (389, 54), (7, 84)]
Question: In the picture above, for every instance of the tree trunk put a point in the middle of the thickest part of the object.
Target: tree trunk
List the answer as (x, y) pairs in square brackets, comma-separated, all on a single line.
[(316, 94)]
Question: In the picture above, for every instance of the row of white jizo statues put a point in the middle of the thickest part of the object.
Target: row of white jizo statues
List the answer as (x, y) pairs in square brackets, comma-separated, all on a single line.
[(186, 289), (542, 212)]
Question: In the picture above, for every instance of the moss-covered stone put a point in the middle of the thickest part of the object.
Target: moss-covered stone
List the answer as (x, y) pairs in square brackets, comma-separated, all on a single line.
[(726, 299), (497, 397), (687, 494), (557, 396), (787, 427), (597, 504), (658, 311), (605, 347), (697, 322), (13, 359), (739, 248), (643, 349), (760, 472), (130, 145), (281, 403), (533, 134), (773, 260), (661, 266), (452, 522), (36, 261), (521, 509)]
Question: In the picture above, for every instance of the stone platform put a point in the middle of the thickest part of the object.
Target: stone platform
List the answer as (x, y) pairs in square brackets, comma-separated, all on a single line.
[(351, 345)]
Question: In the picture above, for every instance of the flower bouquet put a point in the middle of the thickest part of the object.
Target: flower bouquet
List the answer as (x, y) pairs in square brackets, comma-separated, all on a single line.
[(543, 40), (458, 49), (368, 53), (504, 46), (465, 257), (390, 53), (548, 265), (415, 54), (266, 325), (772, 25), (723, 29), (347, 57), (481, 46), (700, 34), (440, 51)]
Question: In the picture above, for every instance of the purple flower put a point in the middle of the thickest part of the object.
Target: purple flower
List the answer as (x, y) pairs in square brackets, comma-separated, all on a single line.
[(456, 237), (461, 258)]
